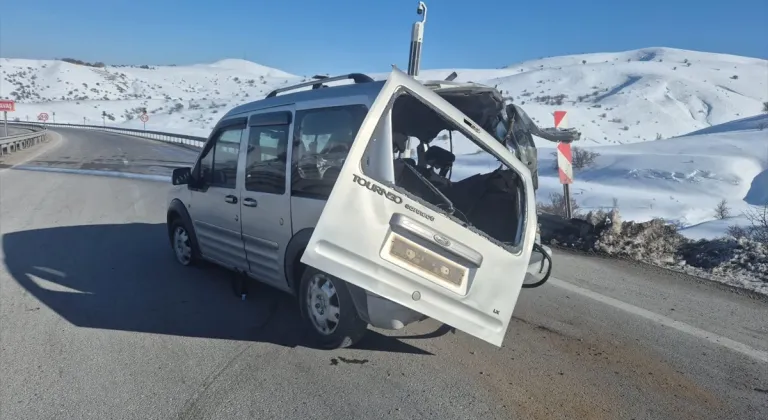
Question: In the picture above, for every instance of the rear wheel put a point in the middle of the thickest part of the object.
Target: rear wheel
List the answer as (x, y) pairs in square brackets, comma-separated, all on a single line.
[(329, 314)]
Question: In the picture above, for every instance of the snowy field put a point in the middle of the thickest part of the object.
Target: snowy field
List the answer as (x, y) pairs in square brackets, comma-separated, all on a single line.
[(677, 131), (681, 178)]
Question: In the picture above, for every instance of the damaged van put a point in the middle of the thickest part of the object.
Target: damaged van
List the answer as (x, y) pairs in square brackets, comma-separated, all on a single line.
[(317, 191)]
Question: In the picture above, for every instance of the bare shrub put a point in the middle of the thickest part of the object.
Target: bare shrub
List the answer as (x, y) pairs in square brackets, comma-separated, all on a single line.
[(722, 211), (738, 232), (581, 159), (758, 219), (551, 99), (756, 230), (98, 64), (765, 107), (556, 205), (675, 224)]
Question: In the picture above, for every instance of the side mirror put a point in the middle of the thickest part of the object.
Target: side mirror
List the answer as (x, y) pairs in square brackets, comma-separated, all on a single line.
[(181, 176)]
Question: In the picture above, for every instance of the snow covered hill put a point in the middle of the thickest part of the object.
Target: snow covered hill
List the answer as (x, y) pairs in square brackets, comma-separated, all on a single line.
[(628, 105), (632, 96), (184, 99), (613, 98)]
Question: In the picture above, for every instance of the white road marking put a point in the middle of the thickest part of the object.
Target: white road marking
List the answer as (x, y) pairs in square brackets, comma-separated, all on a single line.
[(138, 201), (52, 286), (125, 161), (663, 320)]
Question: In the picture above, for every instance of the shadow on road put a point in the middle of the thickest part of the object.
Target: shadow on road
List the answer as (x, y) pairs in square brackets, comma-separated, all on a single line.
[(124, 277)]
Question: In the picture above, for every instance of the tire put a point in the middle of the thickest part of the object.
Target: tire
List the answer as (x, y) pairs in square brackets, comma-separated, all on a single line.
[(184, 248), (317, 310)]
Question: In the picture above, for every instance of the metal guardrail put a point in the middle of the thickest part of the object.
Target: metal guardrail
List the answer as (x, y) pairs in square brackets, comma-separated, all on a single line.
[(18, 142), (184, 139)]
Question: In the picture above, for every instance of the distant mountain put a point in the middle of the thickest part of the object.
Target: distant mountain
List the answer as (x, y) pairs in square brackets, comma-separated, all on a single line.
[(613, 98)]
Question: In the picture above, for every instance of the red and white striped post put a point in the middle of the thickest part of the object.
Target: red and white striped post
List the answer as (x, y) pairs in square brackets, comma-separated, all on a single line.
[(564, 164)]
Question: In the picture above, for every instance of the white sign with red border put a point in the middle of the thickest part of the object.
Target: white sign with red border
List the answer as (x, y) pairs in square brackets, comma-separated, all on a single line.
[(7, 105)]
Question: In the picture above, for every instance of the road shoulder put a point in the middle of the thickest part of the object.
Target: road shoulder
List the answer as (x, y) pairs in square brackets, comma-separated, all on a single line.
[(8, 161)]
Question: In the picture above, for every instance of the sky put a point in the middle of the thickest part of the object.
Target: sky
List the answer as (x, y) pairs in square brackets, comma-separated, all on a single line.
[(334, 36)]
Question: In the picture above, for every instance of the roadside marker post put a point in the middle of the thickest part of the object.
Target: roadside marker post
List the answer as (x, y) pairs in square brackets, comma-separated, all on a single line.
[(564, 164), (43, 116), (144, 118), (7, 105)]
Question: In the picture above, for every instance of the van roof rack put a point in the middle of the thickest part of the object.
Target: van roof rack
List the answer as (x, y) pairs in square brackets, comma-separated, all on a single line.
[(319, 81)]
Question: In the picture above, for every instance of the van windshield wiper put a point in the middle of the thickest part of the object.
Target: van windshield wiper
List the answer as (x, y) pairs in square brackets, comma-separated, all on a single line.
[(451, 209)]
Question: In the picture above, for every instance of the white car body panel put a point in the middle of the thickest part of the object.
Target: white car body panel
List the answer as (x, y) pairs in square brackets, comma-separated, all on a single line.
[(475, 282)]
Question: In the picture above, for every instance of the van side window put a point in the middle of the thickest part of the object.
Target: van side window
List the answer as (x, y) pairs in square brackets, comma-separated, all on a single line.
[(217, 166), (321, 141), (266, 159), (205, 166), (225, 153)]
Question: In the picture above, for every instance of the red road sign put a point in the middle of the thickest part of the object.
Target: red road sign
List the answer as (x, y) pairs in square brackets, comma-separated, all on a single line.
[(42, 116), (559, 118), (7, 105), (144, 117), (564, 165)]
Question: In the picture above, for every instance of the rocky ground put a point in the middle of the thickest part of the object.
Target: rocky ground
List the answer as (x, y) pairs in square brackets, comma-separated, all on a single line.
[(741, 262)]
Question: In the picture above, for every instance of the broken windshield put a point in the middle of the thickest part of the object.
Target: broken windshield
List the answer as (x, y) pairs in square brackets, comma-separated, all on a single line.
[(451, 170)]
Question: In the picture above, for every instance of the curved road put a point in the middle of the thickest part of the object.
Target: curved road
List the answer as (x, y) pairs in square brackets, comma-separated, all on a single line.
[(98, 321)]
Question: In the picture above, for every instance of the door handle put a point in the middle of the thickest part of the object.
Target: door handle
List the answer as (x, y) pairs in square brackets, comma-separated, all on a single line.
[(231, 199), (249, 202)]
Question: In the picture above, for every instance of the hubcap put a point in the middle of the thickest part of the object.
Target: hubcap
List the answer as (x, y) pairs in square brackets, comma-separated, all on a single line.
[(182, 245), (323, 304)]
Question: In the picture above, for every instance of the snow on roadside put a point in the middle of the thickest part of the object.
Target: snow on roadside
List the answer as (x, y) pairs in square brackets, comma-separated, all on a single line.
[(679, 179)]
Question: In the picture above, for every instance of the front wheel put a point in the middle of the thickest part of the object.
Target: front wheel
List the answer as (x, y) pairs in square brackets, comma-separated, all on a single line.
[(328, 311), (181, 241)]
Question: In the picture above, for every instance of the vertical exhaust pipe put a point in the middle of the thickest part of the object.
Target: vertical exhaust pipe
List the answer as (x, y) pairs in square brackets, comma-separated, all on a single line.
[(414, 56), (417, 38)]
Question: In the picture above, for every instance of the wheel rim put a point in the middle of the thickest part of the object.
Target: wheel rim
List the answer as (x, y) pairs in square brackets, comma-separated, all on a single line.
[(323, 304), (182, 245)]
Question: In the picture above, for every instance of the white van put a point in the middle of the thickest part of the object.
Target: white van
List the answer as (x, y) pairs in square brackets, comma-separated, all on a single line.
[(312, 192)]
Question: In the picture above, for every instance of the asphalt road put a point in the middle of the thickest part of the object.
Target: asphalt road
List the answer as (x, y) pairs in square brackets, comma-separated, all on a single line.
[(97, 321)]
